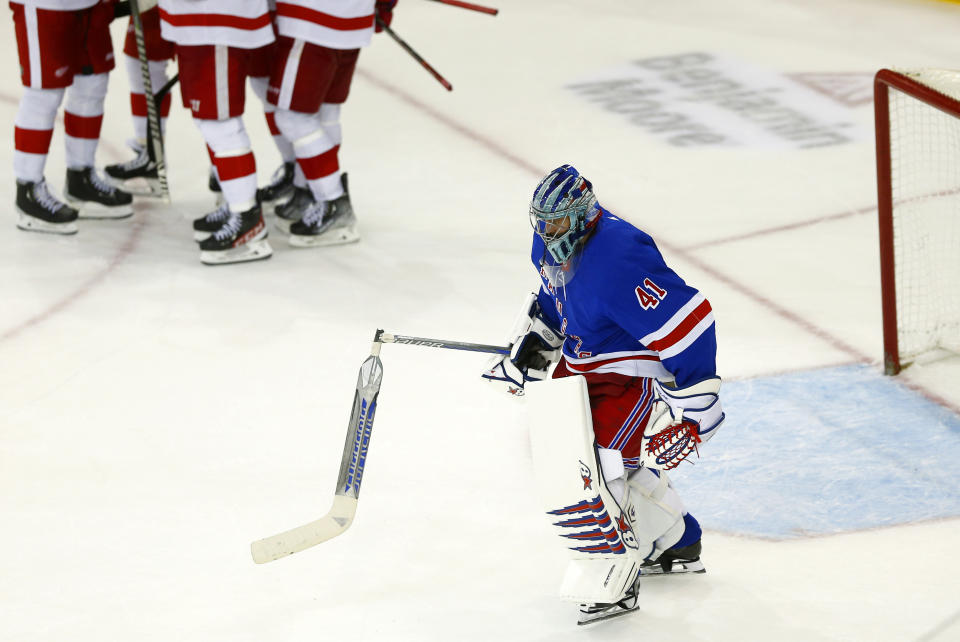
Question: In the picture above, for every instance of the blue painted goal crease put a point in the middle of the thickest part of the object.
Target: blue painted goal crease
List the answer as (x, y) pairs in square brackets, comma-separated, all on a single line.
[(824, 452)]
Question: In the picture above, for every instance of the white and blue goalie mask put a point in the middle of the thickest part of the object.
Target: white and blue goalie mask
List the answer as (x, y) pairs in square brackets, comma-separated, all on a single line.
[(561, 206)]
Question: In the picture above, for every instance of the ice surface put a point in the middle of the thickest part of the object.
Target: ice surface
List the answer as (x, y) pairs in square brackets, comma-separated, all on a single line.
[(157, 415)]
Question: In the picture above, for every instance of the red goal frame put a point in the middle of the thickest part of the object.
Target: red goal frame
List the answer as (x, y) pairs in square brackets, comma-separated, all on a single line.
[(882, 82)]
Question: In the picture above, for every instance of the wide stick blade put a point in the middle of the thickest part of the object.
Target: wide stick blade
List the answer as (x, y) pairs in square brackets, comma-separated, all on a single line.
[(335, 522)]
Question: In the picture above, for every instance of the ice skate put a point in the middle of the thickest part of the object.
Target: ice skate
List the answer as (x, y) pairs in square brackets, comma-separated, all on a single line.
[(674, 561), (41, 211), (94, 197), (590, 613), (205, 226), (138, 175), (243, 237), (326, 223), (292, 211), (280, 188)]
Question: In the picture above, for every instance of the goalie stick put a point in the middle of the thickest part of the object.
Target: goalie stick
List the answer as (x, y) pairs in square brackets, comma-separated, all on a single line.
[(154, 136), (353, 461), (340, 515), (384, 337)]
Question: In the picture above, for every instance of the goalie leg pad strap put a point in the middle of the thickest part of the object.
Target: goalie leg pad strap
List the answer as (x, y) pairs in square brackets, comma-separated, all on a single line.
[(578, 503)]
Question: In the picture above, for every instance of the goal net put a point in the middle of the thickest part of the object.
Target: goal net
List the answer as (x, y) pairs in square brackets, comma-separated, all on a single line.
[(918, 180)]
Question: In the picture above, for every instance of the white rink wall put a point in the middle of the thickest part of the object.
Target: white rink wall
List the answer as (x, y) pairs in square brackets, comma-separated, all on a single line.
[(157, 415)]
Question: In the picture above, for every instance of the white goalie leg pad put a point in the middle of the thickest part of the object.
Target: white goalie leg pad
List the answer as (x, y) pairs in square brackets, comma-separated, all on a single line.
[(604, 554), (655, 510)]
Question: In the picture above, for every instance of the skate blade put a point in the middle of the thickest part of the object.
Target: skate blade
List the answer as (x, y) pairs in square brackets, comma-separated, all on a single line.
[(252, 251), (678, 568), (340, 236), (96, 211), (146, 187), (609, 614), (270, 207), (283, 225), (33, 224)]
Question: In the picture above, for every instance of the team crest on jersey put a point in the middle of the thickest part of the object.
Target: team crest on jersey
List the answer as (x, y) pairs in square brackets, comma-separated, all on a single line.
[(587, 476)]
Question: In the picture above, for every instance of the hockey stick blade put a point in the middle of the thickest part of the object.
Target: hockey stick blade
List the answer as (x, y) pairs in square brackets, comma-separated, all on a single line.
[(334, 523), (352, 464)]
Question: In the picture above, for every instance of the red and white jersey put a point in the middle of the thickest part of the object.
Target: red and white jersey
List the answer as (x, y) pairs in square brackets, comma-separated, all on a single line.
[(245, 24), (335, 24), (57, 5)]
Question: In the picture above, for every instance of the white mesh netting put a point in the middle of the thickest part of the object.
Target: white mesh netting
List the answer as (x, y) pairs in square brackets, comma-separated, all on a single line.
[(925, 178)]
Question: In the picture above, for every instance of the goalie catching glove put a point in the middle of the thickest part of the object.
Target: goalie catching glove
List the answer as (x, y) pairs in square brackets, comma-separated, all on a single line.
[(534, 345), (681, 419)]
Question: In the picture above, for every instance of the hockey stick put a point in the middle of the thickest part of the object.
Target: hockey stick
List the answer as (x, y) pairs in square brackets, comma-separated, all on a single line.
[(163, 91), (384, 337), (340, 515), (354, 458), (390, 32), (154, 136), (472, 7)]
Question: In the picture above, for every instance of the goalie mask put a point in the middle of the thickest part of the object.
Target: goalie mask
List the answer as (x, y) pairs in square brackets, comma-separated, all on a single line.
[(561, 210)]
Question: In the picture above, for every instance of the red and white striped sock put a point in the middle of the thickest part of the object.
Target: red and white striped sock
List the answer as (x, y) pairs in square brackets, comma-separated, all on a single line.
[(138, 99), (234, 161), (322, 171), (284, 146), (83, 117), (317, 153), (33, 129)]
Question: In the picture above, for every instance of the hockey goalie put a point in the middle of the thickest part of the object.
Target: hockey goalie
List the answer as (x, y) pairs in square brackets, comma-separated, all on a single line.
[(634, 394)]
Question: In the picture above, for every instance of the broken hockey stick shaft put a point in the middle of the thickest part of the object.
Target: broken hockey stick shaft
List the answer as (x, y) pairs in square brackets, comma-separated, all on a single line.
[(167, 87), (384, 337), (352, 463), (390, 32), (467, 5)]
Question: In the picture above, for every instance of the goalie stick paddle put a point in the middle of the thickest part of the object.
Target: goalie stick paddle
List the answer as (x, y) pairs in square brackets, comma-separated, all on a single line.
[(340, 515)]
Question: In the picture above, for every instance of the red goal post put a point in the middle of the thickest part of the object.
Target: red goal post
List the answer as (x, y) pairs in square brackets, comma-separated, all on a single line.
[(917, 116)]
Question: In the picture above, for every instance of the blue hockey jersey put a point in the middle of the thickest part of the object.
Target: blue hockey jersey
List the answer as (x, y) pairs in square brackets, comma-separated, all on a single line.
[(624, 311)]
